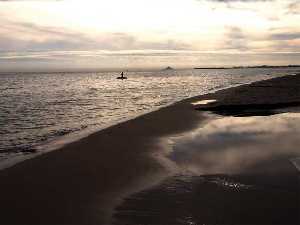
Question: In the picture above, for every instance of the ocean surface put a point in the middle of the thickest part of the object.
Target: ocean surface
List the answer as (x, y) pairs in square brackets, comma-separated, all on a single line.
[(41, 111)]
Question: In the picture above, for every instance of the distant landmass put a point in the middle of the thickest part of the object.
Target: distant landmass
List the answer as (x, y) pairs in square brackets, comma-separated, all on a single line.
[(168, 68), (244, 67)]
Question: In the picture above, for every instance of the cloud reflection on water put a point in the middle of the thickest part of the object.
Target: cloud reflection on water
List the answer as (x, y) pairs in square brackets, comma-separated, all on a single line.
[(233, 145)]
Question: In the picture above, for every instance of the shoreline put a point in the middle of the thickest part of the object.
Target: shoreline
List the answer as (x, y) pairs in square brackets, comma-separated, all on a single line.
[(81, 182), (61, 141)]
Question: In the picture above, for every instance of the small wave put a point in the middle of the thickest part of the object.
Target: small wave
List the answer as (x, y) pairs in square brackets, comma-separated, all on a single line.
[(227, 182), (52, 106), (32, 145), (19, 149), (66, 131), (8, 88)]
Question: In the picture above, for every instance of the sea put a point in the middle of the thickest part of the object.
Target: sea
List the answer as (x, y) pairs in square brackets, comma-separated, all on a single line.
[(40, 112)]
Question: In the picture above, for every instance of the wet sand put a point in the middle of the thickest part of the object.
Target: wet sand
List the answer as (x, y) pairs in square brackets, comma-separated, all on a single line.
[(233, 170), (84, 181)]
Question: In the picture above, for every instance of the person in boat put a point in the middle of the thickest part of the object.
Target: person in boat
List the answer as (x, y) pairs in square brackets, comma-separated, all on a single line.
[(122, 76)]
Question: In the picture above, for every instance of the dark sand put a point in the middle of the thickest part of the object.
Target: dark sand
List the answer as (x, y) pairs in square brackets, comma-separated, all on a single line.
[(82, 182)]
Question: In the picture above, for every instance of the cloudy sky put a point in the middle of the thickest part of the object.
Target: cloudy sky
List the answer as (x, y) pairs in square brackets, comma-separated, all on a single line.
[(88, 34)]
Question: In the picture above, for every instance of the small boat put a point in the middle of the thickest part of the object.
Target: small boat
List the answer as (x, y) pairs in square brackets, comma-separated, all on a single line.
[(122, 77)]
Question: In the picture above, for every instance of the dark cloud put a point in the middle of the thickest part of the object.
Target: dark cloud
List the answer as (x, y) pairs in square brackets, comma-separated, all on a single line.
[(285, 46), (285, 41), (285, 36)]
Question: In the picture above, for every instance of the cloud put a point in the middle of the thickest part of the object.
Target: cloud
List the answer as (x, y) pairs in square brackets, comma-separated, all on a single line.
[(21, 36), (227, 1), (287, 46), (27, 36), (235, 26), (285, 36), (235, 39), (282, 39), (294, 8), (285, 42), (256, 7), (29, 0)]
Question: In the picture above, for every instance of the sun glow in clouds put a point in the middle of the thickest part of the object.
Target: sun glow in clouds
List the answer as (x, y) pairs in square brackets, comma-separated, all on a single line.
[(169, 25), (137, 15)]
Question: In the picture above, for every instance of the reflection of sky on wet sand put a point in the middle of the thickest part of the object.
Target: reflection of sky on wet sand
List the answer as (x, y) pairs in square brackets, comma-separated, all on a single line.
[(296, 162), (204, 102), (220, 171), (233, 145)]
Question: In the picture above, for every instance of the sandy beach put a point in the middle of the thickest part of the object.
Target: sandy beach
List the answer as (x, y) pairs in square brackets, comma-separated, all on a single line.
[(129, 174)]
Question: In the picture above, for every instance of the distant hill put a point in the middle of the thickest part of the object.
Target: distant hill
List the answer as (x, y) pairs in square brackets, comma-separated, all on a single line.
[(168, 68)]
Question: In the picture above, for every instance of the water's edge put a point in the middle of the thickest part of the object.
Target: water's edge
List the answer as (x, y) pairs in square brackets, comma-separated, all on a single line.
[(61, 141)]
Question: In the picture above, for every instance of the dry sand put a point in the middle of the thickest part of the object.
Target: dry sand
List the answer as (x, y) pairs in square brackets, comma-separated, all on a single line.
[(82, 182)]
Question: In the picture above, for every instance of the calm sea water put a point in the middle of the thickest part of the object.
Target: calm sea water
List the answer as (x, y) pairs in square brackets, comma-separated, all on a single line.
[(39, 108)]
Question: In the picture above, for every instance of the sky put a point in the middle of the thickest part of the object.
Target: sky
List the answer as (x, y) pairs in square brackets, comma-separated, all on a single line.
[(127, 34)]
